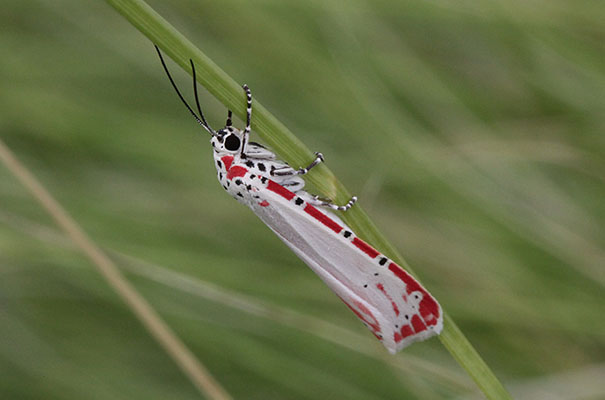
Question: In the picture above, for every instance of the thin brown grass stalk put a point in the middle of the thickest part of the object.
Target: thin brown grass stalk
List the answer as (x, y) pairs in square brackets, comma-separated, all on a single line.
[(155, 325)]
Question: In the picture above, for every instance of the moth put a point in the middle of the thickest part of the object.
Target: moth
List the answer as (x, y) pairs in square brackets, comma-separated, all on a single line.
[(394, 306)]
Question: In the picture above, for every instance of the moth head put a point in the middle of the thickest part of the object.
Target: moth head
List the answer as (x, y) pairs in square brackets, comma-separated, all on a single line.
[(227, 140)]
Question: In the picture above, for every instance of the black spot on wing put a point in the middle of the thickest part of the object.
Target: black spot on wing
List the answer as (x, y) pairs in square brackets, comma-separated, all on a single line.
[(299, 201), (250, 164), (261, 167)]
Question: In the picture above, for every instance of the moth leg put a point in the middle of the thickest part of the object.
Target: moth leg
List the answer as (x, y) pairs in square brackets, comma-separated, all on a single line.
[(229, 116), (287, 171), (319, 158), (248, 119), (317, 201), (294, 185)]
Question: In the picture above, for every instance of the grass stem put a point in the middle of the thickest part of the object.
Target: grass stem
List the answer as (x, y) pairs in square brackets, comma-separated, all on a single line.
[(292, 150)]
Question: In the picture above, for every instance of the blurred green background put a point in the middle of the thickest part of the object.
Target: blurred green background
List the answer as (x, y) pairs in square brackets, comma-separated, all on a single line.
[(471, 131)]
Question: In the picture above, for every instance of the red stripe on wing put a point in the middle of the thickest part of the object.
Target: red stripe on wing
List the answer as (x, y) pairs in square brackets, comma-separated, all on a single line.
[(366, 248), (364, 314), (309, 209), (323, 218), (280, 190), (380, 287)]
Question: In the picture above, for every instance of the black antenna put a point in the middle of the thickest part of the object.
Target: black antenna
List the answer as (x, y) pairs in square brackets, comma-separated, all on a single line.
[(197, 100), (201, 120)]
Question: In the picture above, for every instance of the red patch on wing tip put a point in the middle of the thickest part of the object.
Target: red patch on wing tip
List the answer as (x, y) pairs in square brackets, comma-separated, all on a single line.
[(280, 190), (263, 203), (411, 284), (429, 310), (236, 171), (397, 337), (323, 218), (366, 248), (227, 160), (417, 323), (406, 331), (428, 306)]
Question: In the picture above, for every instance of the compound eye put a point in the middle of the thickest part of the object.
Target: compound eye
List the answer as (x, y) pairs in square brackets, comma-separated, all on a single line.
[(232, 142)]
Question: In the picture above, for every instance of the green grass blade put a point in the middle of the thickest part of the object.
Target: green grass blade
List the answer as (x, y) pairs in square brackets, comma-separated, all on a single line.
[(292, 150)]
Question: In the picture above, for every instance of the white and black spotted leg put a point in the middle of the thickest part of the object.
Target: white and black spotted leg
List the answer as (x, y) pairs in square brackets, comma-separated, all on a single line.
[(248, 119), (294, 185), (229, 118), (319, 158), (316, 201), (287, 171)]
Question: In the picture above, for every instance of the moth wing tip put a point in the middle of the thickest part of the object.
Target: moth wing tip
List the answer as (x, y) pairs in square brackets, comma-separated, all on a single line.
[(439, 327)]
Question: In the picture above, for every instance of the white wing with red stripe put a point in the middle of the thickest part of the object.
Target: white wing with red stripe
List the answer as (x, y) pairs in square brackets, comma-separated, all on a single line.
[(392, 304), (389, 301)]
